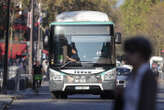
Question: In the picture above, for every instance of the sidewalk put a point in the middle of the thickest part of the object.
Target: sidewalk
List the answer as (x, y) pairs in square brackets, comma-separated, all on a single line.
[(5, 101), (22, 93)]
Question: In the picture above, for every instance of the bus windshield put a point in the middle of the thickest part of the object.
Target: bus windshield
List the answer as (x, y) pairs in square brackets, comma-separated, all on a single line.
[(82, 45)]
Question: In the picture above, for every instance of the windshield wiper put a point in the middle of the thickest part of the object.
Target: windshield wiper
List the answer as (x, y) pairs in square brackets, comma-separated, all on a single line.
[(67, 63), (77, 62), (86, 62)]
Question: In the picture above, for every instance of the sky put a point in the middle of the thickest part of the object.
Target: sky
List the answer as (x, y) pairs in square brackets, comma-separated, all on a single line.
[(120, 2)]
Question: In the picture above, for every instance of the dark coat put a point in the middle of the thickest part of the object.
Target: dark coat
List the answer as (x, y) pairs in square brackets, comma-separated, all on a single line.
[(147, 97)]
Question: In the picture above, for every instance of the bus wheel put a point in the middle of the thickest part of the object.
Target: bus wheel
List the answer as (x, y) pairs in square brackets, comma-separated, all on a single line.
[(64, 96), (103, 96), (107, 95)]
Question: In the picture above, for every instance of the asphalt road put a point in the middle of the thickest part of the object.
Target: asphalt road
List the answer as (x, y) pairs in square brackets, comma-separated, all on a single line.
[(43, 101)]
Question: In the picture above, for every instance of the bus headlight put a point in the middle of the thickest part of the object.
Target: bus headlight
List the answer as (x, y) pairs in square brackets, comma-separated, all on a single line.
[(54, 75), (109, 75)]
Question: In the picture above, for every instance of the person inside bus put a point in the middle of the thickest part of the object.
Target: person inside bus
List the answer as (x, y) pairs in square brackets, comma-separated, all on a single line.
[(72, 53), (104, 51), (74, 56)]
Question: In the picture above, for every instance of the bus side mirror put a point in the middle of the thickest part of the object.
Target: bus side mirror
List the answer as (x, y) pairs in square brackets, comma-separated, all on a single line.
[(45, 41), (118, 38)]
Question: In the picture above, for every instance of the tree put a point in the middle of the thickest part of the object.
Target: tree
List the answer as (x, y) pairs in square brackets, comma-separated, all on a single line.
[(133, 12), (143, 17), (55, 7), (3, 14), (155, 27)]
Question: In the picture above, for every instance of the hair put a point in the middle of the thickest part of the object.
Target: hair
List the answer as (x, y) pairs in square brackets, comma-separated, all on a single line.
[(139, 44)]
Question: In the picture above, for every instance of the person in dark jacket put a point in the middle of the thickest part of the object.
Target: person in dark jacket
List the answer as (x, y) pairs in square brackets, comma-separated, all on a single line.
[(140, 93), (37, 71)]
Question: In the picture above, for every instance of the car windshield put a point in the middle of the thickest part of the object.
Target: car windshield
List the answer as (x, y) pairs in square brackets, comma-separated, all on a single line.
[(83, 48), (123, 71)]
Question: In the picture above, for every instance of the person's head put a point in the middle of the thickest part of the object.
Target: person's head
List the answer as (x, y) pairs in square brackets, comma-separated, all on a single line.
[(73, 51), (138, 50)]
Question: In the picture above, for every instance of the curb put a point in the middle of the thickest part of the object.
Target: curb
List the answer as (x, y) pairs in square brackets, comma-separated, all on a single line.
[(6, 105)]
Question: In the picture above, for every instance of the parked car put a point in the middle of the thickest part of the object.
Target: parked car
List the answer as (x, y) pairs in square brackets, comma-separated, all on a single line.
[(156, 63), (122, 75)]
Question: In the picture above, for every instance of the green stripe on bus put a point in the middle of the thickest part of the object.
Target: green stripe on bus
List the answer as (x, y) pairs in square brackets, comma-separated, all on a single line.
[(82, 23)]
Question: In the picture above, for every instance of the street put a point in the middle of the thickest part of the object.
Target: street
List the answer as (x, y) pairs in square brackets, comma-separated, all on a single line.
[(43, 101)]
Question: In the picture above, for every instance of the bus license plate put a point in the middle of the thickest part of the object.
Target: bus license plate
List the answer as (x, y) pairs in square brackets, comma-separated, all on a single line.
[(82, 87)]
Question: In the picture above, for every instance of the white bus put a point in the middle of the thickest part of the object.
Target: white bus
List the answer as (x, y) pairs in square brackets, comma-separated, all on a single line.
[(82, 56)]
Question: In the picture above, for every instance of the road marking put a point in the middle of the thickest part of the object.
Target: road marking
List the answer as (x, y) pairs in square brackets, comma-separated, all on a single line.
[(60, 100), (33, 101), (81, 100)]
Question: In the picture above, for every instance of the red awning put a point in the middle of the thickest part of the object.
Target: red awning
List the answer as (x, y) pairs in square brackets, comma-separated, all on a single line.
[(14, 49)]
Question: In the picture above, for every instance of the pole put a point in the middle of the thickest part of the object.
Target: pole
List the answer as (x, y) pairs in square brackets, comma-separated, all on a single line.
[(38, 43), (31, 38), (38, 50), (12, 33), (5, 75)]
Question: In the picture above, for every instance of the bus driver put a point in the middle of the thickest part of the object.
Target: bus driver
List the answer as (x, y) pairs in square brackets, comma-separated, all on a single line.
[(74, 57)]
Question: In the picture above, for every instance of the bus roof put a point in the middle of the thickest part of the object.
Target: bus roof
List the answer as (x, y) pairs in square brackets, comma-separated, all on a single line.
[(76, 16), (82, 18), (83, 23)]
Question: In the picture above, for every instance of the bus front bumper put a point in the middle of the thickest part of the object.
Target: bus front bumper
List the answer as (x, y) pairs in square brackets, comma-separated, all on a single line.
[(81, 87)]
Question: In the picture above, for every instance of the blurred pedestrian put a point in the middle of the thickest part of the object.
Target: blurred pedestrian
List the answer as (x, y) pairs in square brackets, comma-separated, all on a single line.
[(19, 71), (140, 93), (37, 74), (45, 69), (155, 70)]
